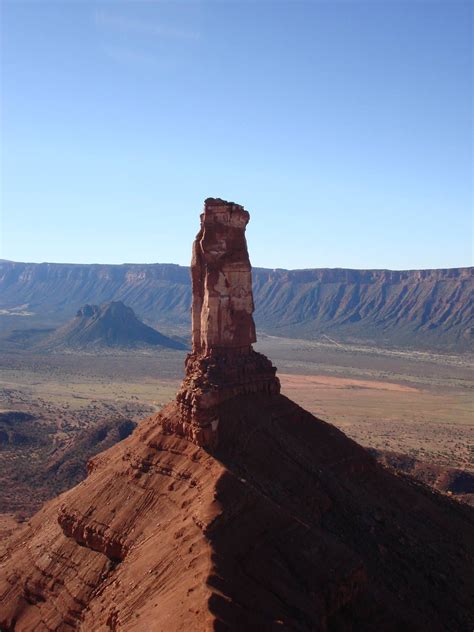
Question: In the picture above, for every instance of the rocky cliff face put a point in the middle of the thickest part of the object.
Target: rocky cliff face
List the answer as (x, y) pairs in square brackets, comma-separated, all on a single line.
[(415, 308), (223, 363), (222, 304), (234, 509)]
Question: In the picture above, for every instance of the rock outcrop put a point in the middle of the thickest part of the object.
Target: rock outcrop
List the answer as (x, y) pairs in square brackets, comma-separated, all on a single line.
[(40, 457), (458, 483), (429, 309), (268, 519), (223, 363), (112, 325), (222, 304)]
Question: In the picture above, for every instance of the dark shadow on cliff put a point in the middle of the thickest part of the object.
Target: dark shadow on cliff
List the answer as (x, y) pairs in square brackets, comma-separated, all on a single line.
[(315, 535)]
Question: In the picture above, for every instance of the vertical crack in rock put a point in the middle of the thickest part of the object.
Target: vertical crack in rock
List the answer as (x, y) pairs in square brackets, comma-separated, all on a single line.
[(223, 363), (222, 280)]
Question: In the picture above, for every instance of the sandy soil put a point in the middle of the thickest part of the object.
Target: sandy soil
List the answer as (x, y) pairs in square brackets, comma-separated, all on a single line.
[(433, 425), (416, 403)]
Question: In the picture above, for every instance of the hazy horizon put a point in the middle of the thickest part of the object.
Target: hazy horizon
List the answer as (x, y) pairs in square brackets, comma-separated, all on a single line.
[(182, 265)]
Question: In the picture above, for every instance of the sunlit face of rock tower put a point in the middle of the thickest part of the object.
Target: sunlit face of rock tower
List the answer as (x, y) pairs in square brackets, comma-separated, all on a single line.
[(222, 363), (222, 281)]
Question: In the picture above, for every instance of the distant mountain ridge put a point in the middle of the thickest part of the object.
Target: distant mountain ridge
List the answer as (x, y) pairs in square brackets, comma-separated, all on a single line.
[(413, 308)]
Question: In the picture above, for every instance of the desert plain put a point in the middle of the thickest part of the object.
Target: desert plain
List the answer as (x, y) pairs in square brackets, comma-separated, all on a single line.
[(411, 402)]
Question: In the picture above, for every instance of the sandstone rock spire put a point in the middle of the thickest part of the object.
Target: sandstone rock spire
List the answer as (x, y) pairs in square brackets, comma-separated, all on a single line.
[(223, 363), (222, 280)]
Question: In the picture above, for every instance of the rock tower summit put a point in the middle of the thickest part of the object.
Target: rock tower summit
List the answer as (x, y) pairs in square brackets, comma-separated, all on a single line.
[(223, 363), (222, 280)]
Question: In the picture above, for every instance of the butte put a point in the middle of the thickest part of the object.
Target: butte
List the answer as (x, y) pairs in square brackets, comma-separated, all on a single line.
[(235, 509)]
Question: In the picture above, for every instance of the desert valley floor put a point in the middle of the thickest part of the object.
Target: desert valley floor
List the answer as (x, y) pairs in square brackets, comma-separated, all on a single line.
[(416, 403)]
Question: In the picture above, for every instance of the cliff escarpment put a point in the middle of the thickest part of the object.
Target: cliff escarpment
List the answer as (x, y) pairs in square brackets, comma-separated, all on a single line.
[(416, 308)]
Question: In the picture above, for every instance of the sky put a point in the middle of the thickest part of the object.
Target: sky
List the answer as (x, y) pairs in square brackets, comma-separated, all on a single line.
[(344, 128)]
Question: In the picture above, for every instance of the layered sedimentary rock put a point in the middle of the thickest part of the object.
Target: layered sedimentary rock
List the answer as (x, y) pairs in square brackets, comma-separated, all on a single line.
[(111, 325), (223, 363), (221, 275), (429, 309), (286, 525), (235, 509)]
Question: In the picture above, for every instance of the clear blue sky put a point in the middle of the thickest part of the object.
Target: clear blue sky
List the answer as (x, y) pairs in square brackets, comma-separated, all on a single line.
[(345, 128)]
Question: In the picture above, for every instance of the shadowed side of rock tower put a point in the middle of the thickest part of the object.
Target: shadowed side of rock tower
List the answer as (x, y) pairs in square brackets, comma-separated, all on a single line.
[(310, 533)]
